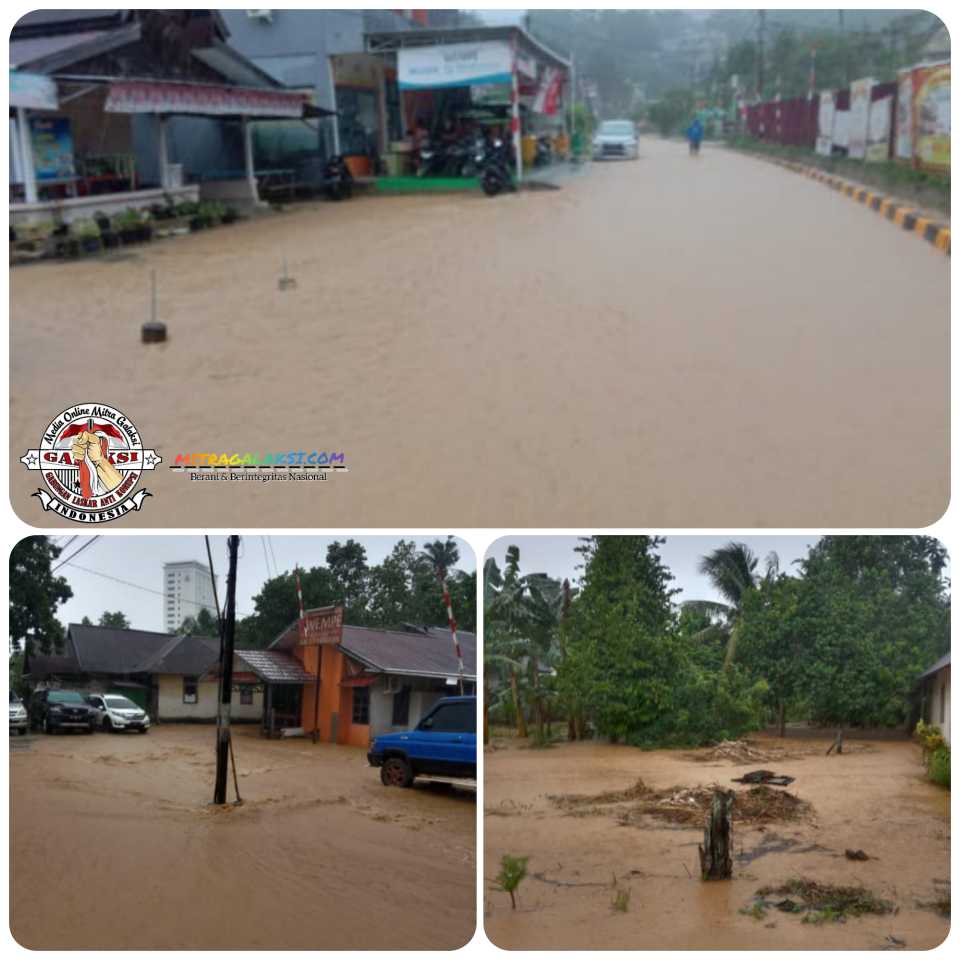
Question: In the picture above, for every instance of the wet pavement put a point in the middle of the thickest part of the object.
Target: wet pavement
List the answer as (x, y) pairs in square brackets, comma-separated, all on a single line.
[(671, 341)]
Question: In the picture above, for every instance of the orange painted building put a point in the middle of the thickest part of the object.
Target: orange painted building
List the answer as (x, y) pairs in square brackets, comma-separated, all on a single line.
[(372, 681)]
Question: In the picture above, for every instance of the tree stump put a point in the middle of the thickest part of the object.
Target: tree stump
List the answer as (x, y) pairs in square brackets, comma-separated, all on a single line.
[(837, 744), (716, 854)]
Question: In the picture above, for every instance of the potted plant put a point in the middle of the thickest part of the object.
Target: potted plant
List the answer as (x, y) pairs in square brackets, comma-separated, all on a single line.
[(86, 233), (125, 225), (230, 215)]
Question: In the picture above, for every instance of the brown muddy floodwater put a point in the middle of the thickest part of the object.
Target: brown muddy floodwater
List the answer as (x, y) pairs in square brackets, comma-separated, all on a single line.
[(571, 809), (666, 342), (113, 846)]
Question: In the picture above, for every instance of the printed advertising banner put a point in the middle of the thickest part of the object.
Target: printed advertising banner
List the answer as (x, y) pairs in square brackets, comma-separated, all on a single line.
[(841, 128), (931, 116), (903, 141), (52, 144), (33, 91), (859, 118), (878, 130), (825, 124), (455, 65)]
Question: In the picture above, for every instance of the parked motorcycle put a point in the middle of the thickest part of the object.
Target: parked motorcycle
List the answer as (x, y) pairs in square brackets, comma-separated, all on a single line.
[(338, 181), (544, 154), (495, 163)]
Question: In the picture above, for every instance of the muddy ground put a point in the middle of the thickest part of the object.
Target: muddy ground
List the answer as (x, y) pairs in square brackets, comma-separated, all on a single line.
[(576, 810), (114, 846), (673, 342)]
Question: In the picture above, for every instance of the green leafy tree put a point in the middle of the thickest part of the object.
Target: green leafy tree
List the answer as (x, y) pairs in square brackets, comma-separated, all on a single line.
[(116, 619), (35, 594), (204, 624), (874, 611), (347, 564)]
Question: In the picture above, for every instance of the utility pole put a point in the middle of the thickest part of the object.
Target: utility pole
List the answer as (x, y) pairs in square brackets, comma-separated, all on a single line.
[(845, 48), (761, 39), (226, 675)]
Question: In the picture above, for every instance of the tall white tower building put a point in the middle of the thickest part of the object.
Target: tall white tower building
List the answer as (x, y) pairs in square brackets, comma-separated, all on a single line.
[(186, 591)]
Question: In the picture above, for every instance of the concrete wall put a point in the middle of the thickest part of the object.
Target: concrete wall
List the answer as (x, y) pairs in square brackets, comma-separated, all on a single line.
[(939, 705), (172, 707)]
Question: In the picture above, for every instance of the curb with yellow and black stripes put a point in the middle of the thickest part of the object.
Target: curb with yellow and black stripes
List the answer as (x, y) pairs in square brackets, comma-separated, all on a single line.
[(905, 217)]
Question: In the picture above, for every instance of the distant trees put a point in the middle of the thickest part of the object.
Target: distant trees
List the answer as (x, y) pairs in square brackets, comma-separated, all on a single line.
[(35, 594), (841, 643), (204, 624), (116, 619)]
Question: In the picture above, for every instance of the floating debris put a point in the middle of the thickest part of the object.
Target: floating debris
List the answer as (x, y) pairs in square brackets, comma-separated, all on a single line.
[(765, 776), (819, 902)]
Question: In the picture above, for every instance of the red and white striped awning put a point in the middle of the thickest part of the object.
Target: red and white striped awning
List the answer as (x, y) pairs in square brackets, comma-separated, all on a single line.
[(147, 96)]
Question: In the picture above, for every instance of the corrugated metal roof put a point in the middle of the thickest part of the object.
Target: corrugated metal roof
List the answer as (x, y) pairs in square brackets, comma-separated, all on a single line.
[(109, 650), (186, 655), (944, 661), (428, 654), (31, 49), (275, 666)]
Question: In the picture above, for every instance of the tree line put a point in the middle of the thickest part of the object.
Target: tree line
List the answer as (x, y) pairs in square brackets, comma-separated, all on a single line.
[(404, 588), (841, 640)]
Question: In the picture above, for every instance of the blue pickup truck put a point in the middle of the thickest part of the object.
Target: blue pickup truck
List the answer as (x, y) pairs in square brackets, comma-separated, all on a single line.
[(443, 745)]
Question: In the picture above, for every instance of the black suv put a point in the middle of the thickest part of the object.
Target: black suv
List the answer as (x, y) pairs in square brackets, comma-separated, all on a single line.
[(56, 710)]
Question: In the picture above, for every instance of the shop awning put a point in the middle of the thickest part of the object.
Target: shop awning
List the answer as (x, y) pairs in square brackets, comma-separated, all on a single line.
[(32, 91), (146, 96)]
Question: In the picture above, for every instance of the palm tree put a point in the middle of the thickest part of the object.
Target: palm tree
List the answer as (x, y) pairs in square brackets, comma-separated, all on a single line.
[(442, 555), (732, 569)]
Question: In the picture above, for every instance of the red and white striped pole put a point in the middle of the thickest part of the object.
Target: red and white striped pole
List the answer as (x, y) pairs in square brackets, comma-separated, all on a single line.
[(515, 116), (300, 625), (441, 576)]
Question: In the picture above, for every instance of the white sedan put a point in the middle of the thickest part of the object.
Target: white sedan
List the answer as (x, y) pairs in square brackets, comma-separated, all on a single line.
[(119, 713), (616, 138)]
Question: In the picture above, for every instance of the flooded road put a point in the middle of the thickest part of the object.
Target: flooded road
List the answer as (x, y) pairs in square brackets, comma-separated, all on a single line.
[(113, 846), (674, 342), (564, 807)]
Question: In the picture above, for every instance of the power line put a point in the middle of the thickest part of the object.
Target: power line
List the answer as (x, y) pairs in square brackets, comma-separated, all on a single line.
[(76, 552), (135, 586)]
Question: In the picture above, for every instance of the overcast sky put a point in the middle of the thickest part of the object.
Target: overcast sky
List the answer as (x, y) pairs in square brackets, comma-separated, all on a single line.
[(554, 556), (138, 562)]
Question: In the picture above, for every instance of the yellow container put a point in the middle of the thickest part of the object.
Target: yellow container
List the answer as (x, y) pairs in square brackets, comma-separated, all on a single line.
[(528, 149)]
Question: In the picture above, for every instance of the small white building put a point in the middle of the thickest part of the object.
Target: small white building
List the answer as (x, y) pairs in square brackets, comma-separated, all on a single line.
[(935, 696)]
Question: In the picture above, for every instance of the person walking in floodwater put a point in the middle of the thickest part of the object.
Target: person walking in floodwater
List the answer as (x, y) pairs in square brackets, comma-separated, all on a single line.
[(695, 135)]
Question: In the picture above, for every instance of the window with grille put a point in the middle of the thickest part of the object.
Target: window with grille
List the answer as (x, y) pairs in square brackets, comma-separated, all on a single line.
[(361, 705)]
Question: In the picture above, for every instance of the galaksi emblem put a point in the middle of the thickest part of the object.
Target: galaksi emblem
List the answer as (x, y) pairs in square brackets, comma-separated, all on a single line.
[(91, 458)]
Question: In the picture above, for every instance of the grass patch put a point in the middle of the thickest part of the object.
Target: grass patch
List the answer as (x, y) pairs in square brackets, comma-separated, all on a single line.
[(923, 187), (621, 901), (822, 902)]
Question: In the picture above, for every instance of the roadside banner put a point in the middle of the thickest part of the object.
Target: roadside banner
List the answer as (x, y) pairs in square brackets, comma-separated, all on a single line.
[(548, 96), (931, 115), (454, 65), (859, 118), (841, 128), (878, 130), (903, 139), (825, 124)]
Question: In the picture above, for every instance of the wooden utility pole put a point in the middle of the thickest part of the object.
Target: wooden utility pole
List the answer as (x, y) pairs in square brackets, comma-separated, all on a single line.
[(716, 854), (758, 65), (226, 675), (844, 47)]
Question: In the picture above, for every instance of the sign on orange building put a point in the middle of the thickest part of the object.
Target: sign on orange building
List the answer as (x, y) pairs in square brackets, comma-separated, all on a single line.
[(321, 627)]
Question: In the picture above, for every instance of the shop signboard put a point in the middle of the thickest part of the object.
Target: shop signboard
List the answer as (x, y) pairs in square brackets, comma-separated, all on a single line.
[(455, 65), (903, 138), (490, 94), (32, 91), (52, 144), (321, 627), (878, 130), (931, 115), (825, 124), (859, 118)]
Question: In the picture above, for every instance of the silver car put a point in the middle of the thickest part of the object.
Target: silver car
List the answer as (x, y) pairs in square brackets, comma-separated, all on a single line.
[(118, 713), (616, 139), (19, 722)]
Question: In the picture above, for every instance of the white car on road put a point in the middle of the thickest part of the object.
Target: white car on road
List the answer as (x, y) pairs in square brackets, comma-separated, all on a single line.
[(119, 713), (616, 138)]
